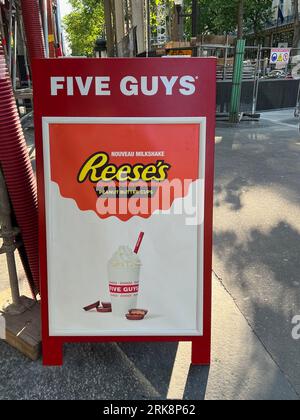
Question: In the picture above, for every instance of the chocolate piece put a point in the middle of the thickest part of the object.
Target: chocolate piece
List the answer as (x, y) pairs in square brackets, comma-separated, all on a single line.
[(106, 304), (138, 312), (131, 317), (104, 310), (93, 306)]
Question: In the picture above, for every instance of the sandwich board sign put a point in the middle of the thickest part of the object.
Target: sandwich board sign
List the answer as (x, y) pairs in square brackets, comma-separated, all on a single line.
[(125, 163)]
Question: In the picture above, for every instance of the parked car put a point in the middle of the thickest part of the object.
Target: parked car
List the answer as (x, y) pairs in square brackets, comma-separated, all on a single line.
[(276, 74)]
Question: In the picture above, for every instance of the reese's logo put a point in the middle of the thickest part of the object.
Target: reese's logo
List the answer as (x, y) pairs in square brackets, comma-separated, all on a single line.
[(98, 168)]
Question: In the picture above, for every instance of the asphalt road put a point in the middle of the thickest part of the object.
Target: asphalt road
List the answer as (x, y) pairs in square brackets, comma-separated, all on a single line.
[(257, 229)]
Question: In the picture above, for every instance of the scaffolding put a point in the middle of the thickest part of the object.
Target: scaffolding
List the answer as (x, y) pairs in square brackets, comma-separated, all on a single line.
[(162, 28), (15, 65), (15, 45)]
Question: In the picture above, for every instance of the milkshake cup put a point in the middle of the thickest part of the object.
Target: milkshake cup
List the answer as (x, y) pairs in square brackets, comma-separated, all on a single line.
[(124, 276)]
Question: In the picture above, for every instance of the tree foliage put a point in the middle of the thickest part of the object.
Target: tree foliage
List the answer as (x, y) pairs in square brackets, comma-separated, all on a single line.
[(220, 17), (257, 13), (86, 22), (84, 25)]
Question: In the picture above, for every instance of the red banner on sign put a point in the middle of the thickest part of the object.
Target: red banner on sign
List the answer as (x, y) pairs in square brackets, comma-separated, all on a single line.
[(124, 170), (123, 288)]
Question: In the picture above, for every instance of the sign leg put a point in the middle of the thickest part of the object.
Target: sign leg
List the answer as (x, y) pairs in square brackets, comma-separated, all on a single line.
[(52, 352), (201, 351)]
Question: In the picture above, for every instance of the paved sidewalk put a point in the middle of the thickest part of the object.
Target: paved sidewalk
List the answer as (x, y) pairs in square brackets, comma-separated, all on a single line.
[(241, 368), (256, 294), (5, 297), (257, 229)]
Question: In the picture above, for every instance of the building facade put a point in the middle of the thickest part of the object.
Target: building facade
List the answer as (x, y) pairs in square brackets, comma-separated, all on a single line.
[(279, 30), (286, 7)]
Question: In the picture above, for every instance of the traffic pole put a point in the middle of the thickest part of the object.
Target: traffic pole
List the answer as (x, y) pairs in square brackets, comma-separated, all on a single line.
[(237, 81)]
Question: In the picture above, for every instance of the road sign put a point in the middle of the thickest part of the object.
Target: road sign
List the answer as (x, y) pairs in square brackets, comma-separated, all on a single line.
[(125, 158), (280, 57)]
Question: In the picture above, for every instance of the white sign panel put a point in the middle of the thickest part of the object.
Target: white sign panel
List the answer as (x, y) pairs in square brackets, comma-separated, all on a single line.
[(280, 57), (144, 263)]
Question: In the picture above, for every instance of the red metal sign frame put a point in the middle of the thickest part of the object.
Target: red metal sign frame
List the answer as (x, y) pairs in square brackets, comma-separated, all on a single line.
[(200, 104)]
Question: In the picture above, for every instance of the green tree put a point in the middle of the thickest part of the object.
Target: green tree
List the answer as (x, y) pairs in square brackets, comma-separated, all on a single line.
[(221, 17), (215, 16), (257, 13), (84, 25)]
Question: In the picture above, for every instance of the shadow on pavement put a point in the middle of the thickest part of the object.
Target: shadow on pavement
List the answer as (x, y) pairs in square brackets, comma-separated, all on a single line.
[(196, 384), (257, 232), (256, 154), (156, 361), (130, 371)]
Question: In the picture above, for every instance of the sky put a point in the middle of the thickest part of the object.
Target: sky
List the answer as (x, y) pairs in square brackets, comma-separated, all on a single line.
[(65, 7)]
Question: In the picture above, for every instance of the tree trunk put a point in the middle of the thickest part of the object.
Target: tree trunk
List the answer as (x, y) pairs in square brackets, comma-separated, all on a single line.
[(174, 27), (194, 18), (240, 27), (139, 21), (119, 12), (109, 28), (296, 38)]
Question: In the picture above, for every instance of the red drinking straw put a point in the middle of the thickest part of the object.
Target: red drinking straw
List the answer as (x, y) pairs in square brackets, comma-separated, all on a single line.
[(139, 242)]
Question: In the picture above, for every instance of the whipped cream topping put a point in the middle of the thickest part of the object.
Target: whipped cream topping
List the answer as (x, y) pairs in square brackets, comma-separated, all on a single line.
[(125, 257)]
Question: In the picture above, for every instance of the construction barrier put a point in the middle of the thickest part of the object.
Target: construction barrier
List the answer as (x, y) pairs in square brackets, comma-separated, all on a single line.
[(272, 95)]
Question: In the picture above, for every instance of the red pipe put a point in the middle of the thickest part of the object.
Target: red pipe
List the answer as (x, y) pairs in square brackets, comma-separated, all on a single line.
[(19, 176), (33, 28)]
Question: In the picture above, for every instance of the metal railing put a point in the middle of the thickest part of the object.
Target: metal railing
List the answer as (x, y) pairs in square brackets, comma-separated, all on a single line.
[(256, 61), (264, 87), (277, 23)]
